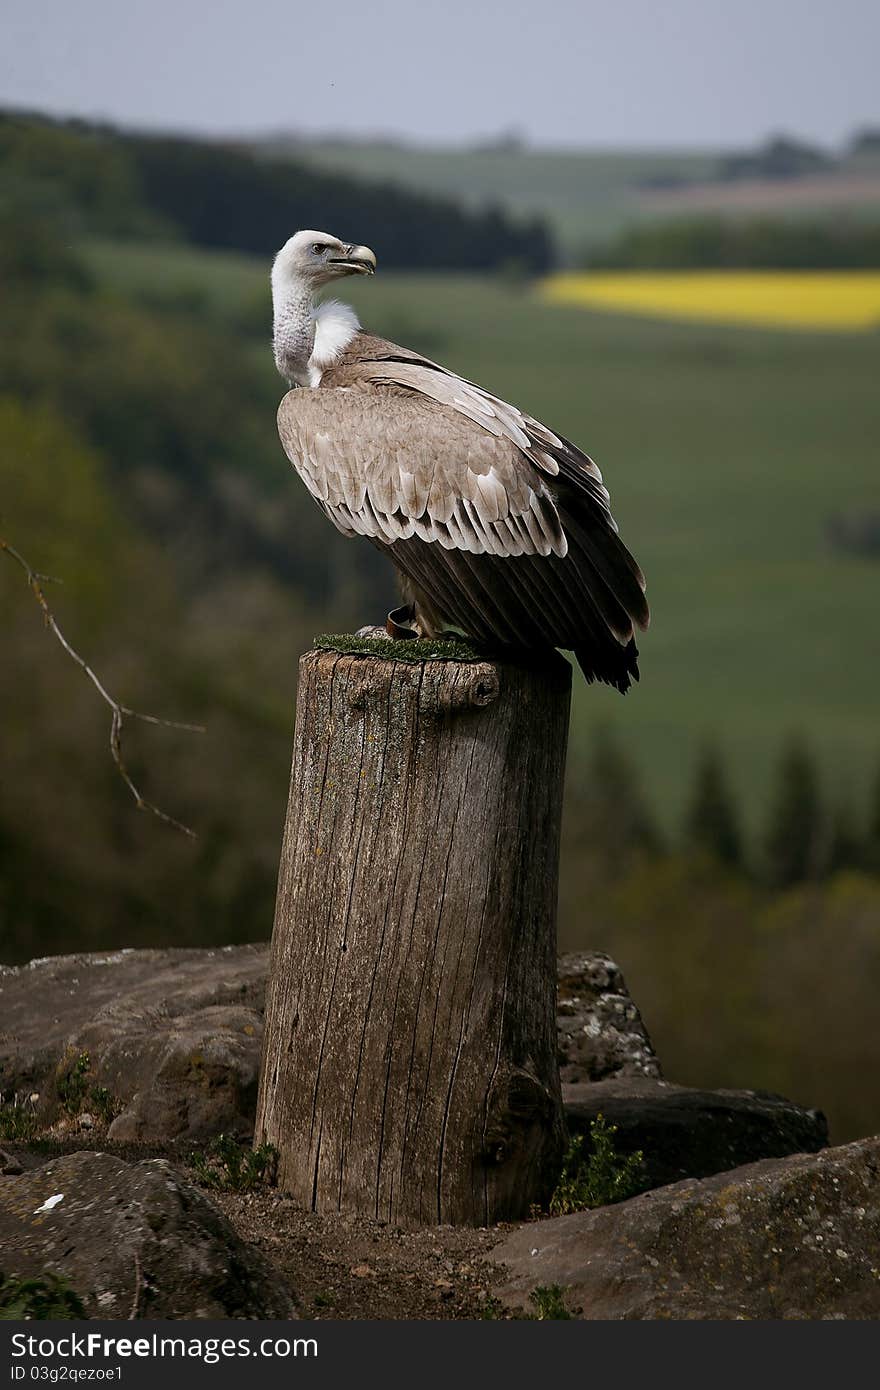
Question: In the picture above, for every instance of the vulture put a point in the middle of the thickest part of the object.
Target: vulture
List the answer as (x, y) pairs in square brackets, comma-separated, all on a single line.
[(499, 528)]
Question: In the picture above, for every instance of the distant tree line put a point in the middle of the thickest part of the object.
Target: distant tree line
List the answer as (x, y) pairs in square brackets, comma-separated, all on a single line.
[(855, 532), (865, 142), (804, 837), (225, 196), (726, 243), (779, 157), (786, 157)]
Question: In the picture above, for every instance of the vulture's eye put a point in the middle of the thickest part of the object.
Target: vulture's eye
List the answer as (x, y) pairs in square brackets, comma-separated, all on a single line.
[(319, 248)]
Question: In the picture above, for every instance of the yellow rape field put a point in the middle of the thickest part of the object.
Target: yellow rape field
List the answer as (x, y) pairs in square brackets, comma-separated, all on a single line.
[(835, 301)]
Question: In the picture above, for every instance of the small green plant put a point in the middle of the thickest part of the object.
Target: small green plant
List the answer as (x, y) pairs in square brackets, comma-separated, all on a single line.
[(72, 1084), (104, 1105), (76, 1094), (48, 1296), (17, 1122), (597, 1178), (549, 1302), (492, 1309), (228, 1167)]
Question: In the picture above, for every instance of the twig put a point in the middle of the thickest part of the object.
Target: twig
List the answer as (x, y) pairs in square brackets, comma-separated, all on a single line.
[(137, 1289), (118, 712)]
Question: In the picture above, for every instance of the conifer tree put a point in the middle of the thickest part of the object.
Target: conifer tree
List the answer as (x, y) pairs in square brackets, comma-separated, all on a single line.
[(846, 849), (872, 839), (795, 842), (609, 818), (711, 820)]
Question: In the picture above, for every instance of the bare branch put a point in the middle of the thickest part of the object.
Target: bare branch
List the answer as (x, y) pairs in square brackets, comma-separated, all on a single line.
[(119, 713), (138, 1285)]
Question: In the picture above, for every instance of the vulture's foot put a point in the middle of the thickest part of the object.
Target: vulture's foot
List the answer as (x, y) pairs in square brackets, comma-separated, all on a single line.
[(397, 623), (402, 625)]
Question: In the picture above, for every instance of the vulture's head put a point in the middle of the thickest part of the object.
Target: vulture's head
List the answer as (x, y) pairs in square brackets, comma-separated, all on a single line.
[(317, 258)]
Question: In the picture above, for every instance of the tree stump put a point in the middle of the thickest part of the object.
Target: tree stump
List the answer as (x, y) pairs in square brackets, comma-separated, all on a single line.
[(409, 1064)]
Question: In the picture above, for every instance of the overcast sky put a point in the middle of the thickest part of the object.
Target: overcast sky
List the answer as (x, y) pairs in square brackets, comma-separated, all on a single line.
[(565, 72)]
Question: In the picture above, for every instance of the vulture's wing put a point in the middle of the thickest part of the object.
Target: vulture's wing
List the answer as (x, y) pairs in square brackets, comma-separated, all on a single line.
[(546, 450), (521, 546), (389, 465)]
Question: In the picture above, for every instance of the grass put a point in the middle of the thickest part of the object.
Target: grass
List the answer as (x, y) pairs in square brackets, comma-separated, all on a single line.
[(548, 1301), (726, 450), (831, 301), (18, 1123)]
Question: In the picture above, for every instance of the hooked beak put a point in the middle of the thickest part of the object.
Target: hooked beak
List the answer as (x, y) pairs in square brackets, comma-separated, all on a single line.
[(357, 260)]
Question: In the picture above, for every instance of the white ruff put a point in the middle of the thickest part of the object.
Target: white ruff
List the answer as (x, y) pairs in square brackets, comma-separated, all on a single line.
[(335, 326)]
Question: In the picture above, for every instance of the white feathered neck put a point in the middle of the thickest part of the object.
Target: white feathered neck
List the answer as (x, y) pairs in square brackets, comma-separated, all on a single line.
[(335, 326), (307, 337)]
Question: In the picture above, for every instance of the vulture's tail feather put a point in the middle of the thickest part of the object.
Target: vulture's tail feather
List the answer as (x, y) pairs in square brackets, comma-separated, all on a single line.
[(616, 668)]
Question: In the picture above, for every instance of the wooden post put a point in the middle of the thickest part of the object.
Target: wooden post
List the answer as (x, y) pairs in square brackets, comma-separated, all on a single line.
[(409, 1065)]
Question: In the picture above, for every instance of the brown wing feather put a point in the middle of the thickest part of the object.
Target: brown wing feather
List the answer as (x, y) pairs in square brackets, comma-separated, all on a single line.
[(389, 464)]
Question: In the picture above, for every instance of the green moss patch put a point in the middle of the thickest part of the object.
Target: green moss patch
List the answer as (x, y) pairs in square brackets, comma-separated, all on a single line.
[(413, 650)]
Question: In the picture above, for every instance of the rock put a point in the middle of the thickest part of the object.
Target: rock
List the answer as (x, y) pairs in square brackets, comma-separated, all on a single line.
[(173, 1036), (786, 1238), (688, 1133), (134, 1240), (599, 1028), (9, 1165)]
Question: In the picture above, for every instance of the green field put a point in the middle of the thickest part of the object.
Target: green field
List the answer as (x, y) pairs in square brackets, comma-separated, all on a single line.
[(725, 450)]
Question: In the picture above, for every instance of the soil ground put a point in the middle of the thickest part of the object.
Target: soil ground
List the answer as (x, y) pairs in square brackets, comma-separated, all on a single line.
[(336, 1266), (349, 1267)]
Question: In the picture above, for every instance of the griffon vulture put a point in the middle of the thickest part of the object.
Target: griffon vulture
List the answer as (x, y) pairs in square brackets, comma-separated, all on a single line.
[(498, 527)]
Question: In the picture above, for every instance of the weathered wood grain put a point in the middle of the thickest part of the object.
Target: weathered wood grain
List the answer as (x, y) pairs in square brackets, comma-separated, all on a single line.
[(409, 1065)]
